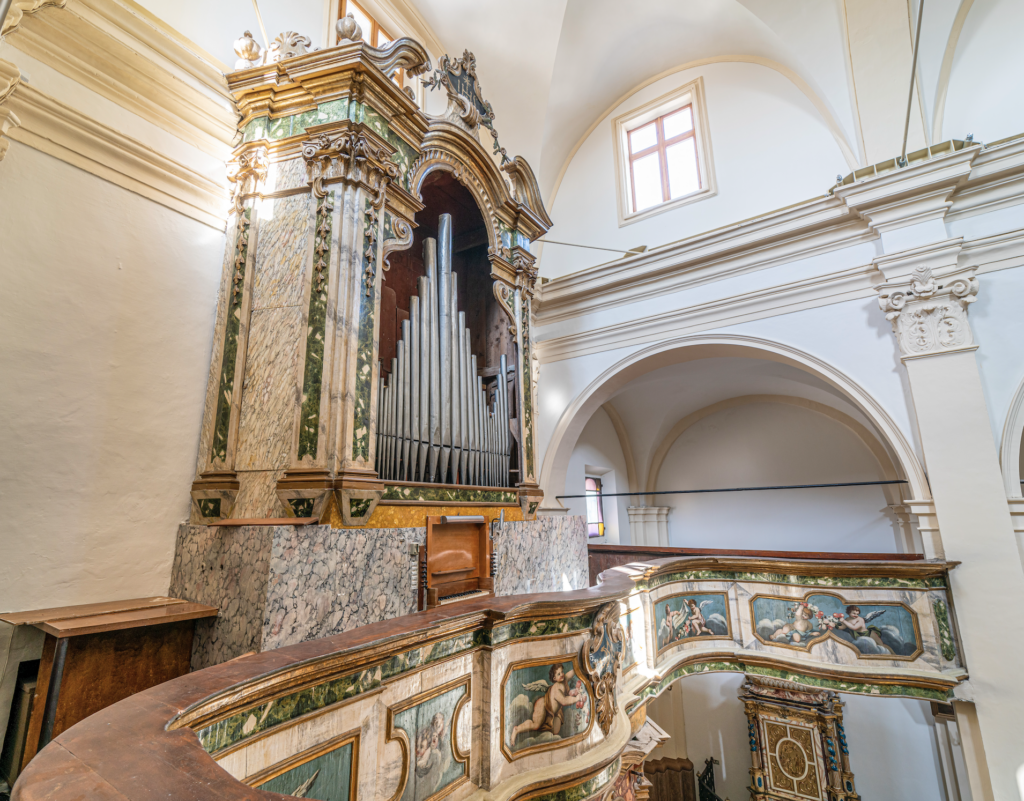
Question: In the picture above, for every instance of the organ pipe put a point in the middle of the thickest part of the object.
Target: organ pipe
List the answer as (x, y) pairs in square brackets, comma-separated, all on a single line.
[(435, 422)]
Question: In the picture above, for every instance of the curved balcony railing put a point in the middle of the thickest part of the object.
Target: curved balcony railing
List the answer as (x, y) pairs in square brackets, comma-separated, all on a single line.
[(523, 696)]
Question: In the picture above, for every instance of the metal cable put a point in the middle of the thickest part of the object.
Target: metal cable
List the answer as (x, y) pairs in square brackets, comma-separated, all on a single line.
[(740, 489), (913, 73)]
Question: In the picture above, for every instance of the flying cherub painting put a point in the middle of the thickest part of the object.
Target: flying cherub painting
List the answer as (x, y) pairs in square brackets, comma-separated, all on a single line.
[(544, 703), (428, 727), (685, 617), (873, 630)]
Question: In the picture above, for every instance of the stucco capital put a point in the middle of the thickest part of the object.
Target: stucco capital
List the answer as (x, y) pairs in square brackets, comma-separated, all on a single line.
[(928, 311)]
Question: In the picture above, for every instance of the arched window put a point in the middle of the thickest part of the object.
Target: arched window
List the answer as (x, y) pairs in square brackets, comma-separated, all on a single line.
[(595, 513)]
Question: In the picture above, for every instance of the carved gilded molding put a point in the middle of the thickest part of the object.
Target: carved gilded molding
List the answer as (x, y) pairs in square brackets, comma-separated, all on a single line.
[(928, 313), (20, 8), (10, 77), (601, 659), (355, 157)]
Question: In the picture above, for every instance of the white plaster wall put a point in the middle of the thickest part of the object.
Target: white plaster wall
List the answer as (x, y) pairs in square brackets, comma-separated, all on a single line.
[(770, 148), (106, 320), (893, 750), (987, 79), (892, 745), (717, 727), (770, 444), (215, 26), (598, 447)]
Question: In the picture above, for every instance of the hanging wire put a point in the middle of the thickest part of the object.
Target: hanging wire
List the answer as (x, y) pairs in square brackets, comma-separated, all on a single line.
[(742, 489), (913, 73)]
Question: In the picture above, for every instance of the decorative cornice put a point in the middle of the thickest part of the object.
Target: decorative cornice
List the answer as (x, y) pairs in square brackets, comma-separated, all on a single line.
[(60, 131), (21, 8), (10, 77), (120, 51), (928, 313)]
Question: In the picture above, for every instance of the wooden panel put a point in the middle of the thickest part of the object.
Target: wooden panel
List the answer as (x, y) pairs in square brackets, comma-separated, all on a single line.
[(112, 621), (35, 723), (671, 779), (104, 668), (84, 610), (603, 557), (457, 556)]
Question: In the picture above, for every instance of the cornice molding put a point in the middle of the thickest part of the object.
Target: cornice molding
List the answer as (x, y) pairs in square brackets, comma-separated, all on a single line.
[(989, 254), (807, 229), (120, 51), (60, 131), (967, 182), (10, 77)]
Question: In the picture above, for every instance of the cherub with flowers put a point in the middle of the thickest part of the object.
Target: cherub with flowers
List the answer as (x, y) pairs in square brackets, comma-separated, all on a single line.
[(807, 620)]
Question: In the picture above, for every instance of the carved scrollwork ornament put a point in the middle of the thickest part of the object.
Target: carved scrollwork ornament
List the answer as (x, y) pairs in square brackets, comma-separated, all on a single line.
[(506, 298), (601, 659), (928, 313), (349, 157), (251, 165), (400, 241)]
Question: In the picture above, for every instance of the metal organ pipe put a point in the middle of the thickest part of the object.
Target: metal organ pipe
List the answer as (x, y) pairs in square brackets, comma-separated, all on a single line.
[(435, 422)]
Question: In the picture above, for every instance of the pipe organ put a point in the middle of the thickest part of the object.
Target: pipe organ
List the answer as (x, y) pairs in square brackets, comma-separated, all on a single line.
[(436, 422), (373, 341)]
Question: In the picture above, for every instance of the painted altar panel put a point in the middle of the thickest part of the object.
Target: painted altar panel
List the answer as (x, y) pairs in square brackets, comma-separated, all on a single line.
[(795, 767), (690, 616), (874, 630), (634, 642), (546, 703), (427, 725)]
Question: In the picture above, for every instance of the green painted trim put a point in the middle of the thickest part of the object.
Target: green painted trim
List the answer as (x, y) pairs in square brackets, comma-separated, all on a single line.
[(316, 331), (394, 492), (366, 340), (232, 327), (334, 111), (946, 641), (209, 507), (783, 578), (527, 386), (857, 688)]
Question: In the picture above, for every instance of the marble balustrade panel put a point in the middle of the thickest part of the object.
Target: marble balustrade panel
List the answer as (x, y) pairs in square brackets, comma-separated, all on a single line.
[(548, 554)]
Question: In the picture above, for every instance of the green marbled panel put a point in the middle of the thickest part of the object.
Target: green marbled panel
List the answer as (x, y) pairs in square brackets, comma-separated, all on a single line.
[(521, 240), (281, 128), (527, 385), (526, 629), (209, 507), (505, 234), (239, 727), (587, 789), (365, 339), (316, 328), (398, 493), (946, 641), (229, 356), (788, 675), (781, 578)]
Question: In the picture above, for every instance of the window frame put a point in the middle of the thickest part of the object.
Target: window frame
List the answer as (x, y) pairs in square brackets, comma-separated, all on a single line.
[(599, 494), (690, 94)]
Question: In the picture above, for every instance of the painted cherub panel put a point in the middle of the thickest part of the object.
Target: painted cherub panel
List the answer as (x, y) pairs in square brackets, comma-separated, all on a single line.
[(429, 727), (326, 777), (545, 703), (632, 643), (689, 616), (874, 630)]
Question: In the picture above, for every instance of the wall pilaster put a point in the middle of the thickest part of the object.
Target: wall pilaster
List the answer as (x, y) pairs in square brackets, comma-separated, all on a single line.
[(928, 311)]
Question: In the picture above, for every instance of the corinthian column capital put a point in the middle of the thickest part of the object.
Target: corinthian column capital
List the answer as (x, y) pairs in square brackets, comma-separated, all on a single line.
[(928, 311)]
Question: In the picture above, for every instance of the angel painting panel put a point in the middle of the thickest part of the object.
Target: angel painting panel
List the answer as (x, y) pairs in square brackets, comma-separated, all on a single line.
[(690, 616), (544, 702), (873, 630), (429, 729)]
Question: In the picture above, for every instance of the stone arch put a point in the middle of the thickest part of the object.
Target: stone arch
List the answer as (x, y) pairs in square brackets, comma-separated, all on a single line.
[(885, 464), (1009, 445), (574, 417)]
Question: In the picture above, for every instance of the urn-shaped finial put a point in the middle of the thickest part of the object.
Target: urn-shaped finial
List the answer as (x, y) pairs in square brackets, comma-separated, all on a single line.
[(349, 29), (247, 50)]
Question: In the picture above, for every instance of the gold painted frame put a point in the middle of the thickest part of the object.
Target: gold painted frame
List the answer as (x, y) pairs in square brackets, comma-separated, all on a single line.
[(391, 733), (728, 621), (561, 659), (308, 755), (831, 635)]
